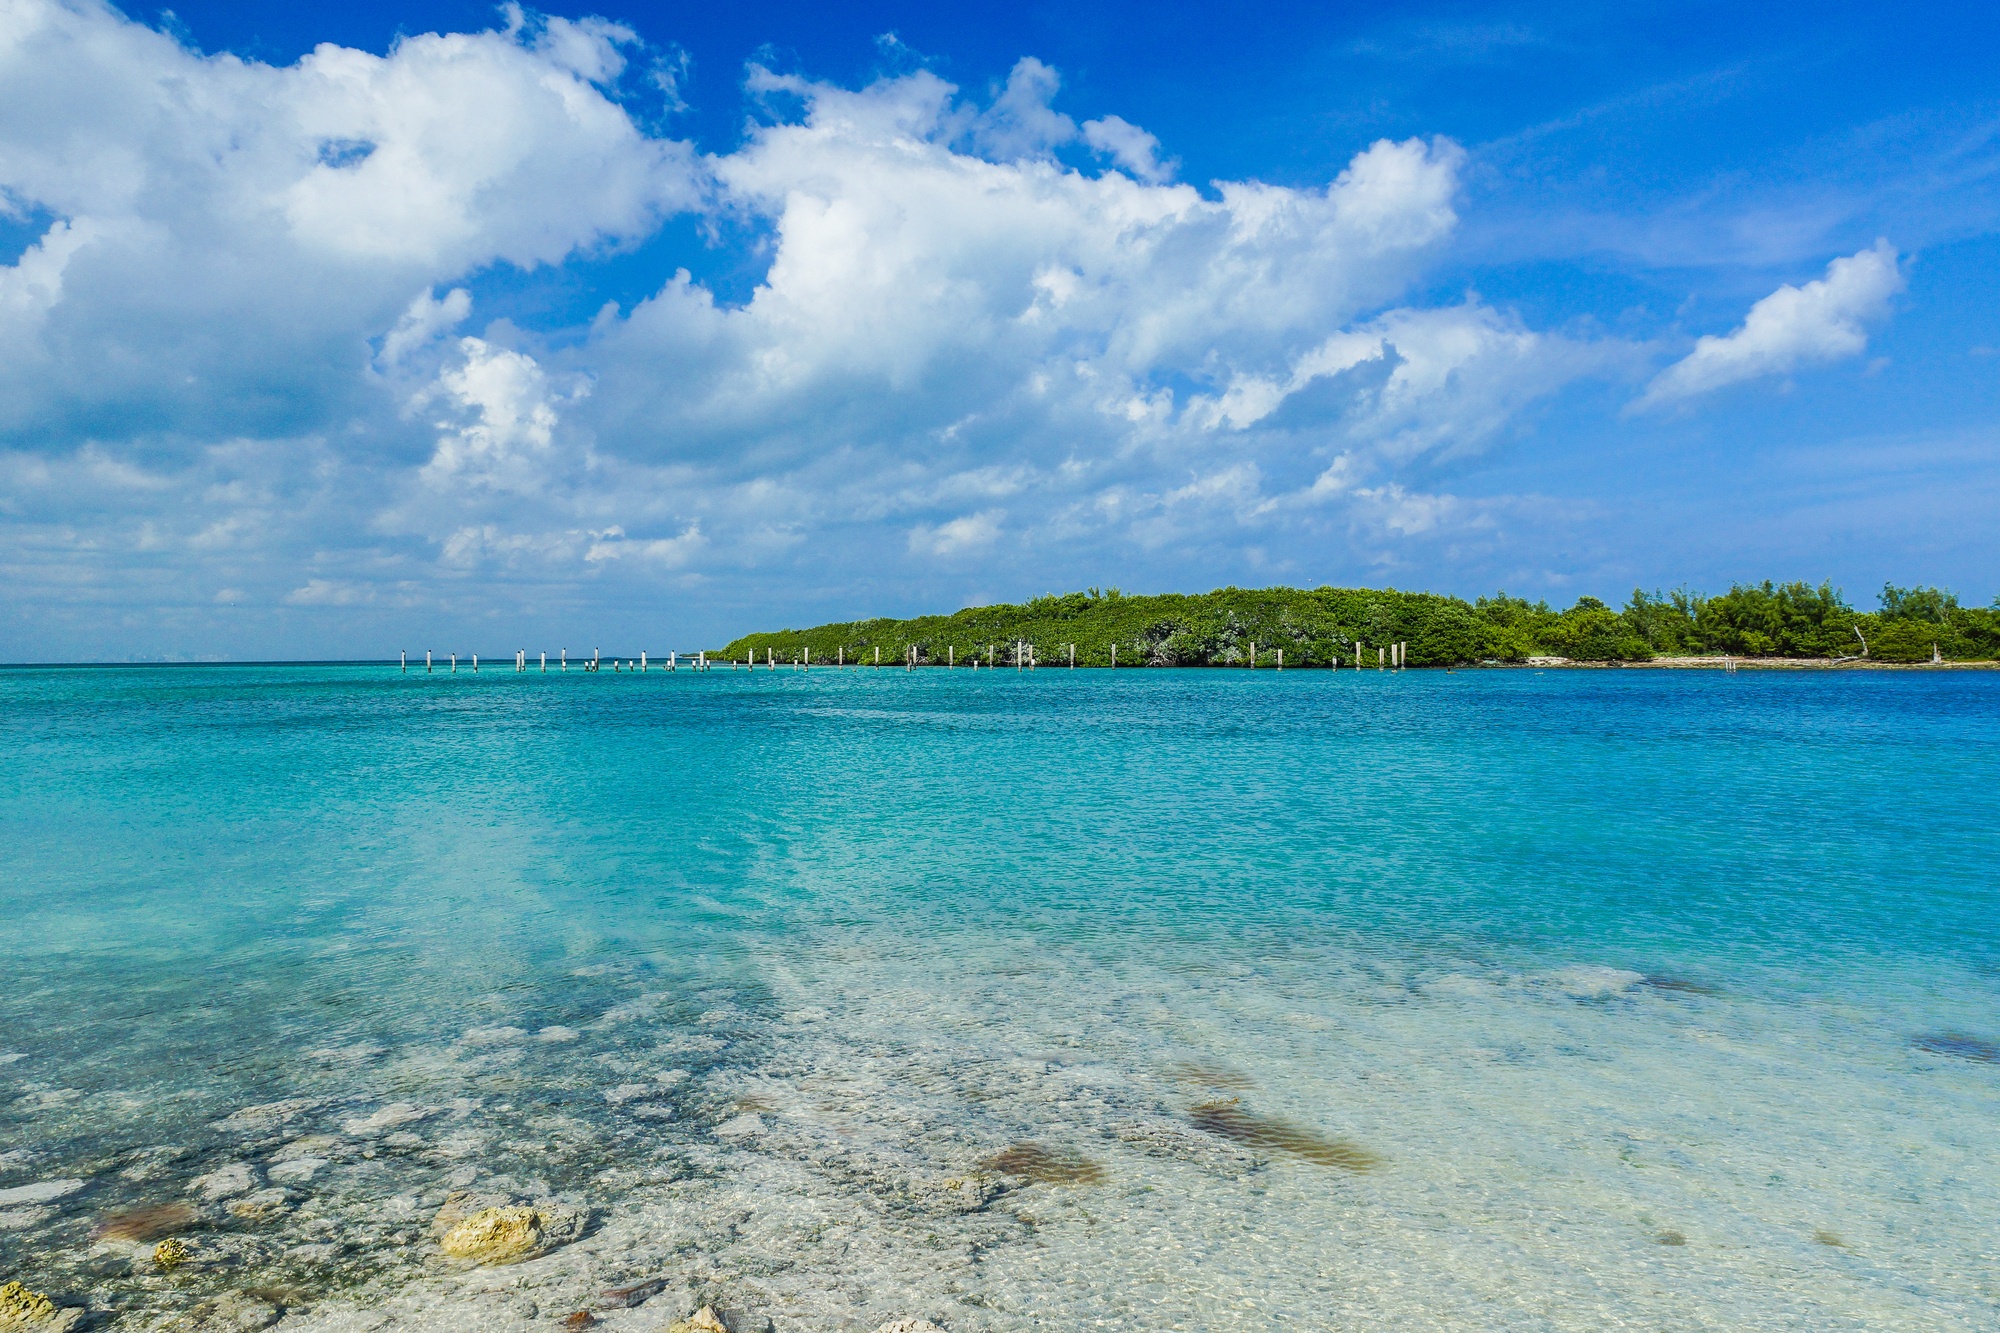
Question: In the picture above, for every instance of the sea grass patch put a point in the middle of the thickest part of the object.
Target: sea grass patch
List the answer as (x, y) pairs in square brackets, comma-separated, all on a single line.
[(1230, 1120), (1959, 1045), (1206, 1074), (1050, 1166), (152, 1223)]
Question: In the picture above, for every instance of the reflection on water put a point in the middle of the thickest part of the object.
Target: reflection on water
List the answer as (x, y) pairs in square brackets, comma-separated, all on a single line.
[(341, 999)]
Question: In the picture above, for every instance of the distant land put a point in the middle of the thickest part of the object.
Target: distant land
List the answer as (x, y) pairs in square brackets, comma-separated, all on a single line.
[(1790, 622)]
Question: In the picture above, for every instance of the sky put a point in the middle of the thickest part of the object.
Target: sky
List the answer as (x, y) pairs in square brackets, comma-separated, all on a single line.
[(329, 332)]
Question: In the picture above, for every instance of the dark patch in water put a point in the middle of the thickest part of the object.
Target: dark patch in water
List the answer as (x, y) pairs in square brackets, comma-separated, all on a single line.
[(147, 1224), (1230, 1121), (1202, 1074), (1960, 1045), (1681, 986), (1055, 1167), (1824, 1237), (1671, 1238)]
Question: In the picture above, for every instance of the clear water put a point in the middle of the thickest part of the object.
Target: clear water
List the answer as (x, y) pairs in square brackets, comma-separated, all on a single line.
[(1641, 996)]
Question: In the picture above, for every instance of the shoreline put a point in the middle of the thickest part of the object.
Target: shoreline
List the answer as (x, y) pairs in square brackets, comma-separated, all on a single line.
[(1743, 664)]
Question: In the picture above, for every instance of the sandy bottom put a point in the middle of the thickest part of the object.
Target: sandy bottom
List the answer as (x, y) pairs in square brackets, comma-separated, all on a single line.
[(1016, 1136)]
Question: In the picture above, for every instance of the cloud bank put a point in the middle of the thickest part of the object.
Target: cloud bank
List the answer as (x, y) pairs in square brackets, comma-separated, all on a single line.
[(242, 365)]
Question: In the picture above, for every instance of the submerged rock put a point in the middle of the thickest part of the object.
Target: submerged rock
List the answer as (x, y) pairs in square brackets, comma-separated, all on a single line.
[(1596, 983), (496, 1036), (261, 1206), (33, 1312), (226, 1182), (704, 1320), (296, 1170), (747, 1125), (485, 1229), (42, 1191), (711, 1319), (909, 1326), (233, 1312), (256, 1119), (393, 1116)]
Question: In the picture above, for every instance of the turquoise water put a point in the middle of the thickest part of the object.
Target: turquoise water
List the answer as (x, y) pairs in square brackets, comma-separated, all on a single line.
[(1639, 992)]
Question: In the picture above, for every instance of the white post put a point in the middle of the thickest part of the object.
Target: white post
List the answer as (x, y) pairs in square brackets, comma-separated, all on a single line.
[(1253, 654), (1281, 659), (1381, 658), (840, 656), (642, 659), (701, 658), (1357, 654), (454, 664), (1072, 657), (545, 663), (770, 660), (878, 654), (565, 658), (405, 656), (951, 655)]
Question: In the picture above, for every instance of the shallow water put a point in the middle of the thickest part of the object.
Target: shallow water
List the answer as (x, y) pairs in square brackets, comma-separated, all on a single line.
[(1145, 1000)]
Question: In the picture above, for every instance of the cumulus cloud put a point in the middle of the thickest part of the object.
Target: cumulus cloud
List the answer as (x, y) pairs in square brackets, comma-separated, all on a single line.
[(1825, 320), (245, 354), (1129, 146)]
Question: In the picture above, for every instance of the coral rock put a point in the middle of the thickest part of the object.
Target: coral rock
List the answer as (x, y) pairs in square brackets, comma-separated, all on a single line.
[(484, 1230), (909, 1326), (704, 1320), (31, 1310), (170, 1254)]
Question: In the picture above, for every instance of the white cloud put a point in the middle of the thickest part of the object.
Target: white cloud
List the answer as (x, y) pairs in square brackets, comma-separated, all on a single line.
[(505, 423), (229, 235), (971, 532), (1825, 320), (247, 346), (1129, 146), (426, 318), (321, 592)]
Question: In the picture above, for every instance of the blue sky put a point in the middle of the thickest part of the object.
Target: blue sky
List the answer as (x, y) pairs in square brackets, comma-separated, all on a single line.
[(333, 333)]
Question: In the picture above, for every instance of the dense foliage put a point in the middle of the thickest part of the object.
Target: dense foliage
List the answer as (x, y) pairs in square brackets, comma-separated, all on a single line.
[(1322, 626)]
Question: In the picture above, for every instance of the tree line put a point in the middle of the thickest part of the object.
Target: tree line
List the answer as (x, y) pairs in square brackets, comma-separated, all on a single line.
[(1330, 626)]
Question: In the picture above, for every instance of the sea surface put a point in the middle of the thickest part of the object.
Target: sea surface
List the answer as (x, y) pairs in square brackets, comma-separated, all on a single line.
[(1143, 1000)]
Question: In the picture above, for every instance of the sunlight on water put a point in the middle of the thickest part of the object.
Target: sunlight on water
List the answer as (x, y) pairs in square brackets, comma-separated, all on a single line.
[(1149, 1000)]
